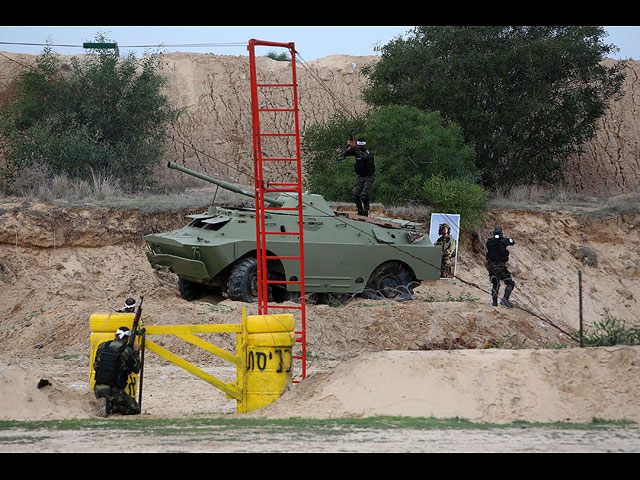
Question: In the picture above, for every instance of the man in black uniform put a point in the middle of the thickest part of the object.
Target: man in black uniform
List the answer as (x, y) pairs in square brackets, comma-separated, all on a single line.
[(497, 259), (365, 171)]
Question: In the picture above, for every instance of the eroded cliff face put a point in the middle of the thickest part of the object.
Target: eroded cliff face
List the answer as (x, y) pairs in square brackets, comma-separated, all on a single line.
[(610, 163), (214, 134)]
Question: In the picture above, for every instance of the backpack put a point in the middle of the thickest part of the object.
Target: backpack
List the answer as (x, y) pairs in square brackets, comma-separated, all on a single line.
[(108, 372)]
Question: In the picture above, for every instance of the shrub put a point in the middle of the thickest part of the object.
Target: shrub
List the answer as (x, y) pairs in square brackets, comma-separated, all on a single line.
[(460, 196)]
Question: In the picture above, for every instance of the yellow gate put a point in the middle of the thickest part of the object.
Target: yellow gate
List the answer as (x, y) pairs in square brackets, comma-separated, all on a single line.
[(263, 357)]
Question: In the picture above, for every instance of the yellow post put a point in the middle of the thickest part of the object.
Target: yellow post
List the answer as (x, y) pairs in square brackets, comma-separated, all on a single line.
[(267, 359), (103, 328)]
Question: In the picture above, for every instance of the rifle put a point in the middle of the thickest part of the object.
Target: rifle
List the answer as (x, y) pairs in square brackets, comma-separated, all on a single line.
[(136, 323), (136, 330), (142, 348)]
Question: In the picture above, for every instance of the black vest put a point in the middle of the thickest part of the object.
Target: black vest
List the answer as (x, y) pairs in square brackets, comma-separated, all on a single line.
[(364, 162), (497, 249)]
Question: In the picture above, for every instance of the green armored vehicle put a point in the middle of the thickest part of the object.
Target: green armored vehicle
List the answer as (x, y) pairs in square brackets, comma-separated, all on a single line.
[(344, 254)]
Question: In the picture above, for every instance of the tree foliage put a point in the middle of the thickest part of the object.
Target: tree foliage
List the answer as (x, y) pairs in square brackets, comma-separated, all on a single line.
[(526, 97), (97, 115), (409, 146)]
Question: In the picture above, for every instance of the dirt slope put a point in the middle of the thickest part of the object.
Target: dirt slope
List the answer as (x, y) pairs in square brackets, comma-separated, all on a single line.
[(59, 265)]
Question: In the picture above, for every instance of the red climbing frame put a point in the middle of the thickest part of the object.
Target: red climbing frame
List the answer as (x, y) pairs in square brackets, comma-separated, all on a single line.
[(262, 187)]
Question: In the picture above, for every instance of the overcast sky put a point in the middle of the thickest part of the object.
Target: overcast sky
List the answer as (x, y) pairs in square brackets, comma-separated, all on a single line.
[(311, 42)]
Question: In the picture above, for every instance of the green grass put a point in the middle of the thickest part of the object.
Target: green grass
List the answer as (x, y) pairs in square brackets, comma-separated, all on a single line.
[(293, 425)]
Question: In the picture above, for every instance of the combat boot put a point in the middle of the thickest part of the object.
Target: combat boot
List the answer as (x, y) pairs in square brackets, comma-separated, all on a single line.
[(104, 407), (506, 303), (507, 292), (358, 202), (365, 205)]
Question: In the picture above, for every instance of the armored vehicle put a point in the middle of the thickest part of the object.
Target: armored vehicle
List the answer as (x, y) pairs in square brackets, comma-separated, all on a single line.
[(344, 254)]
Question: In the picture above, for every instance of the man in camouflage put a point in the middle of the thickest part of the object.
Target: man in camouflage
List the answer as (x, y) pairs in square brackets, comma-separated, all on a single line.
[(110, 390), (365, 171), (497, 265), (448, 244)]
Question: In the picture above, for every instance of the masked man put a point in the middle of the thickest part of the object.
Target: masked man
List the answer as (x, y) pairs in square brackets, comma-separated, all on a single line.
[(365, 173), (497, 265)]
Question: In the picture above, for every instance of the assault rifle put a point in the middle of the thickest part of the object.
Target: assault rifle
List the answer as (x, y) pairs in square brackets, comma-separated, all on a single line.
[(135, 331), (136, 323)]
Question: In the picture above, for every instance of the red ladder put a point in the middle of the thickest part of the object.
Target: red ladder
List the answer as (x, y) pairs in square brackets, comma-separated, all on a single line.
[(262, 187)]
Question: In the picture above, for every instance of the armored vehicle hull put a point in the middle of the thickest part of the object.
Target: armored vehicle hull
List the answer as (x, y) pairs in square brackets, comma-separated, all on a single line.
[(344, 255)]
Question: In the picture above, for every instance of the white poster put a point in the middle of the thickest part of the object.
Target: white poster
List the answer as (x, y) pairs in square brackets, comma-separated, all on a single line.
[(438, 220)]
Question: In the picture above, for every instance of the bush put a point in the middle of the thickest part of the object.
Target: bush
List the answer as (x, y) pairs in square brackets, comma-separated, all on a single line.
[(460, 196), (610, 331), (99, 116)]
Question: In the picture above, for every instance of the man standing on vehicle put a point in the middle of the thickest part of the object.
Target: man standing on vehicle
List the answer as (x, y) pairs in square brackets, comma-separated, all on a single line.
[(365, 173)]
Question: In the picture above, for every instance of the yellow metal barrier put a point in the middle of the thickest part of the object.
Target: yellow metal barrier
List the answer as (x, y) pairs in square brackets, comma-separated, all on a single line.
[(103, 328), (263, 356)]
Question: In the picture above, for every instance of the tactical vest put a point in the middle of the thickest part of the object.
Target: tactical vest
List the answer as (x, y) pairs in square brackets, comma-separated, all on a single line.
[(497, 250), (364, 165), (108, 371)]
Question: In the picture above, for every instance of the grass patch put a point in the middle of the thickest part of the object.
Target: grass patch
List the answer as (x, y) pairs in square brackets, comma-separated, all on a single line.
[(291, 425), (534, 198)]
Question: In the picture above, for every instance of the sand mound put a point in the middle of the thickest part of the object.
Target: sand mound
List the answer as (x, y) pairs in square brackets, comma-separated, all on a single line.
[(572, 385), (21, 399), (494, 385)]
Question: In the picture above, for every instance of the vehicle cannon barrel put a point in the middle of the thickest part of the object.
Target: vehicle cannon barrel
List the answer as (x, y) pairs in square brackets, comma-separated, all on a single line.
[(225, 185)]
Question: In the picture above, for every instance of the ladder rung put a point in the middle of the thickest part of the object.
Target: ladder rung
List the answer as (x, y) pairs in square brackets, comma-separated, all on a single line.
[(284, 306), (274, 85), (288, 282), (279, 160), (276, 109), (281, 190)]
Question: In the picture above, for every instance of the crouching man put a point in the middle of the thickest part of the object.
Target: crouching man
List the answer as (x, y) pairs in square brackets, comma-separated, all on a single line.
[(115, 360)]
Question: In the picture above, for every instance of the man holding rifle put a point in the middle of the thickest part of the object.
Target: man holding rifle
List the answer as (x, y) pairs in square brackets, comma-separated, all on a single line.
[(115, 360)]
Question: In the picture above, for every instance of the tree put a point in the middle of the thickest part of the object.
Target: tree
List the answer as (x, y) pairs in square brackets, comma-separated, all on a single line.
[(97, 115), (409, 145), (526, 97)]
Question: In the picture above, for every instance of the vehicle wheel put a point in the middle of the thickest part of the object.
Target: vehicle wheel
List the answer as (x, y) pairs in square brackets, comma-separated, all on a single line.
[(243, 281), (390, 280), (190, 290)]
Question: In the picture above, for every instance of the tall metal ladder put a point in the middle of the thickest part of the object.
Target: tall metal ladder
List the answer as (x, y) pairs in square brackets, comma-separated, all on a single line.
[(262, 187)]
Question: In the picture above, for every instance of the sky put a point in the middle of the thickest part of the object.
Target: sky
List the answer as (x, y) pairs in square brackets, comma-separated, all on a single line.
[(311, 42)]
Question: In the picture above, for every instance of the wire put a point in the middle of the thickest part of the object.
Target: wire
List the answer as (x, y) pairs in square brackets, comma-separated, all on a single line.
[(161, 45)]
